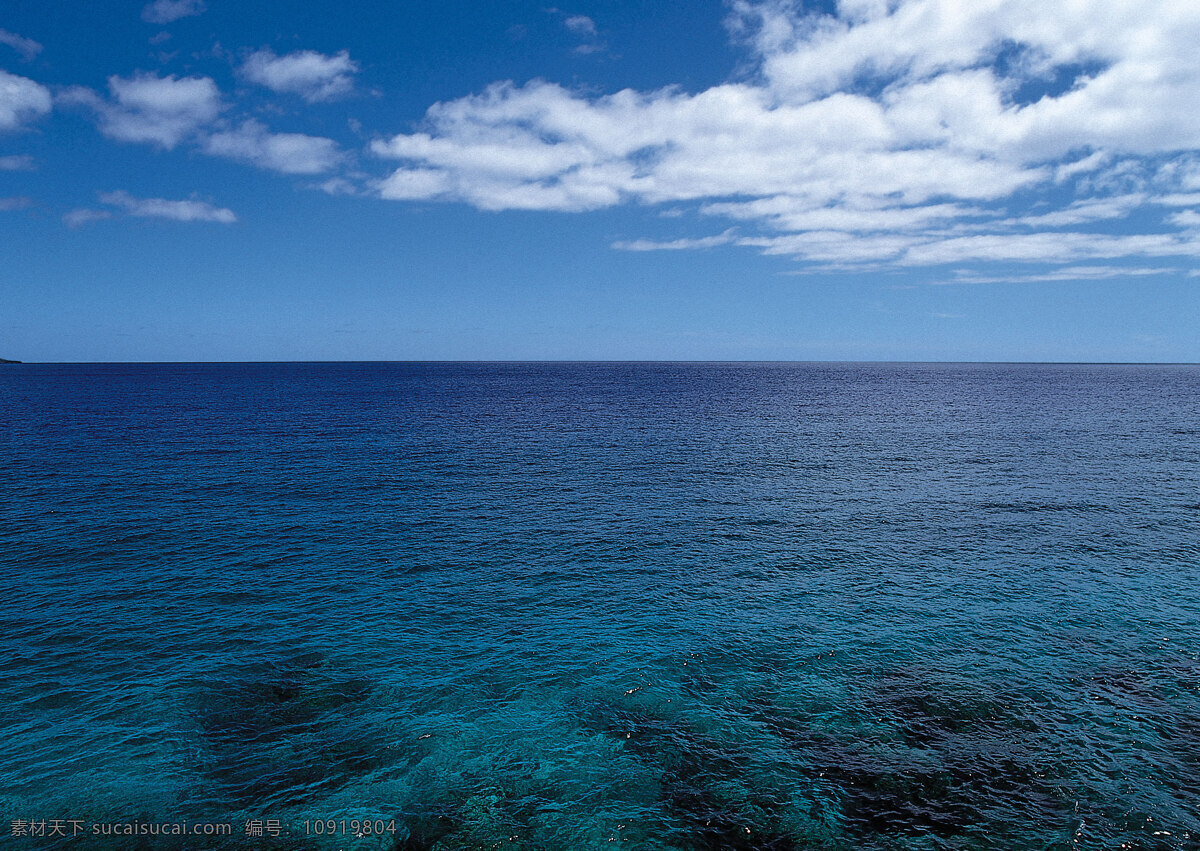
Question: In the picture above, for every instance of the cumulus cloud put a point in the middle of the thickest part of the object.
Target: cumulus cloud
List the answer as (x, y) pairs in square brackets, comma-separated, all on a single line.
[(161, 208), (917, 132), (166, 11), (287, 153), (313, 76), (27, 47), (541, 144), (147, 108), (18, 202), (166, 111), (21, 100)]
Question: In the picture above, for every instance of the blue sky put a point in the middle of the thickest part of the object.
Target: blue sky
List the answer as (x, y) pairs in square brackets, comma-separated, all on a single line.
[(860, 180)]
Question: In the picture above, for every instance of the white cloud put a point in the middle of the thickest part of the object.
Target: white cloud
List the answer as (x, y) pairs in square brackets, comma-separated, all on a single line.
[(18, 202), (414, 183), (147, 108), (81, 217), (541, 141), (675, 244), (1179, 199), (314, 76), (288, 153), (17, 162), (1047, 248), (1083, 165), (27, 47), (21, 100), (912, 132), (1068, 273), (581, 25), (166, 11), (934, 248), (787, 213), (166, 111), (1081, 212), (160, 208), (583, 28), (338, 186), (1186, 219)]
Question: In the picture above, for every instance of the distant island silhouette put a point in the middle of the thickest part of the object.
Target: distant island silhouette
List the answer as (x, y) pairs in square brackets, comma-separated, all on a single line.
[(3, 360)]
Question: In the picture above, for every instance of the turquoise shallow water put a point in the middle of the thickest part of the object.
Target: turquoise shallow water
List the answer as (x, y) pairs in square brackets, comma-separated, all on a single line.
[(576, 606)]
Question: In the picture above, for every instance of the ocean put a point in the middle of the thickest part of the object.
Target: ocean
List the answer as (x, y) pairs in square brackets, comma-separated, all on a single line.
[(596, 605)]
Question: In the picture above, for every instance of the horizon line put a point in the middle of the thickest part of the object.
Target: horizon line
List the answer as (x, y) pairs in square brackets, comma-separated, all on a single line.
[(583, 361)]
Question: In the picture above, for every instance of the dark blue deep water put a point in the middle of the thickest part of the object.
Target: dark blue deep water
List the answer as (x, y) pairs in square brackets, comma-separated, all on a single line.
[(585, 606)]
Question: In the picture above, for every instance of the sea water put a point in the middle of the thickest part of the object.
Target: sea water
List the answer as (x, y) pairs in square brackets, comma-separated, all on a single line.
[(583, 606)]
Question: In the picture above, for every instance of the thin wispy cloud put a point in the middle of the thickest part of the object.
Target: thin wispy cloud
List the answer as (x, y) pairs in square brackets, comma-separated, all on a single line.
[(1068, 273), (27, 47), (17, 162), (1186, 219), (83, 216), (683, 244), (582, 28), (1179, 199), (1082, 212), (909, 134), (339, 186), (167, 11), (161, 208), (316, 77), (580, 25)]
